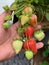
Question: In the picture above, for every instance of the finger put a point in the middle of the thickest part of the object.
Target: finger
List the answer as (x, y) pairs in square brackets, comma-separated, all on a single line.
[(40, 45), (4, 35), (14, 30), (38, 27), (2, 17), (15, 26), (6, 50)]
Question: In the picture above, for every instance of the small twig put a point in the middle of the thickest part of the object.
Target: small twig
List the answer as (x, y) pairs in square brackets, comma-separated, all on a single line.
[(42, 19), (45, 27)]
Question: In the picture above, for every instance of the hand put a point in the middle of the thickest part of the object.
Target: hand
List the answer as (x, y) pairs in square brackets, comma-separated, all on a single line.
[(6, 39)]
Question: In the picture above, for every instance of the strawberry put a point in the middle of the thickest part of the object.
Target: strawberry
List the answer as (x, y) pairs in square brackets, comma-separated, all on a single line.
[(27, 11), (39, 35), (29, 54), (30, 45), (33, 21), (24, 19), (17, 45), (29, 31)]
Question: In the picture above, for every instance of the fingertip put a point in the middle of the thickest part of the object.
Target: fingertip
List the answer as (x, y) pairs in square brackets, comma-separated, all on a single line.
[(40, 45), (38, 27)]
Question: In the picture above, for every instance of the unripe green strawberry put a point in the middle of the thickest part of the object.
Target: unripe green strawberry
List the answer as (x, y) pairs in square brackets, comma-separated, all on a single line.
[(39, 35), (29, 54), (17, 45), (24, 19), (6, 25)]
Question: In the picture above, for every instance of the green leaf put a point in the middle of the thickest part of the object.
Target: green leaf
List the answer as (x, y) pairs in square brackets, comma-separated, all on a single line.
[(20, 31), (36, 1), (41, 63), (8, 17), (6, 25), (45, 54), (47, 16), (13, 7), (16, 1), (6, 8), (19, 1), (19, 11), (44, 63), (47, 51)]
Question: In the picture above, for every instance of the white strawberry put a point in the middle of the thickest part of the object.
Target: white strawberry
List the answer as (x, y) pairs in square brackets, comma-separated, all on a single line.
[(17, 45)]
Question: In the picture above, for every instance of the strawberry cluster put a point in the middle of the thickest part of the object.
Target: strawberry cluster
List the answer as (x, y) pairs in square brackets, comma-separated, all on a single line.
[(29, 31), (33, 32)]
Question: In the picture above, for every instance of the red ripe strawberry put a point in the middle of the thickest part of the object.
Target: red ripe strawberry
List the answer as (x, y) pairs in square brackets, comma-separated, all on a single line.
[(33, 21), (31, 45), (29, 31)]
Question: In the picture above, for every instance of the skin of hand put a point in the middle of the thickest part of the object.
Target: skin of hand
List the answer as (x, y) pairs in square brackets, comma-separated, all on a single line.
[(6, 39)]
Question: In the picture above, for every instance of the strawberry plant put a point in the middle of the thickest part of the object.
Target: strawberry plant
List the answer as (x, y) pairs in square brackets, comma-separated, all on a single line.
[(30, 14)]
